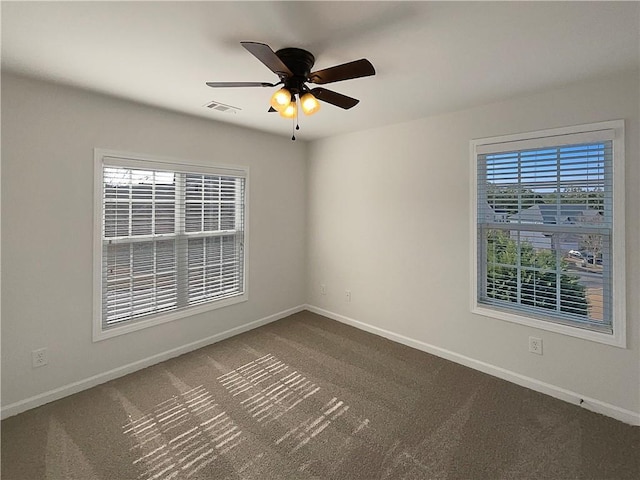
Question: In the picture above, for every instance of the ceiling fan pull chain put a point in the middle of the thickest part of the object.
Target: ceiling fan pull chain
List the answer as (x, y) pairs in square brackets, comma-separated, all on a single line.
[(294, 119), (293, 134)]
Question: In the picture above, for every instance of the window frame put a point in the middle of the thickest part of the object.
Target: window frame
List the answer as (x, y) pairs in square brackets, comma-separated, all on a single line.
[(550, 137), (151, 162)]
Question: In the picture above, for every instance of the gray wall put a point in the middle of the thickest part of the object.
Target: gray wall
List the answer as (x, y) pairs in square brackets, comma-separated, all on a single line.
[(48, 136), (389, 219)]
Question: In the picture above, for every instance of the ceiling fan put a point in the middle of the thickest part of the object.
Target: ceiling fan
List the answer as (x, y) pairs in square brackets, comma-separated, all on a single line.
[(293, 68)]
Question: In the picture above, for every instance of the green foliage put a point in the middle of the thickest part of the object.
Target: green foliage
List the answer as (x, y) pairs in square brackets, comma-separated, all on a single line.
[(538, 287)]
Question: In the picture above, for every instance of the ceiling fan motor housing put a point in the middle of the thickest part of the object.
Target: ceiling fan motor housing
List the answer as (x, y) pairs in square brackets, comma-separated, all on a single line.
[(300, 63)]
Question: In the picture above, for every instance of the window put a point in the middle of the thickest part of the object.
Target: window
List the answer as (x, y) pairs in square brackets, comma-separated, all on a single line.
[(169, 241), (548, 230)]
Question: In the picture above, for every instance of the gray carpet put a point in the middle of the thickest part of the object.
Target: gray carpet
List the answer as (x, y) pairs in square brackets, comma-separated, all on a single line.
[(307, 397)]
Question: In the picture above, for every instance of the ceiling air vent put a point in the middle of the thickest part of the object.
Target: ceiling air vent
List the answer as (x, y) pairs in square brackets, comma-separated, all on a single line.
[(221, 107)]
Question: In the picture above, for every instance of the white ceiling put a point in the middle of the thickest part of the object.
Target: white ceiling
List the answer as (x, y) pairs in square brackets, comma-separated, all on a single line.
[(430, 57)]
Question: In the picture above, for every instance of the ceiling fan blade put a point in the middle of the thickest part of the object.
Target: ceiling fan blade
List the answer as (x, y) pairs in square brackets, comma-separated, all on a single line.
[(267, 56), (240, 84), (271, 110), (334, 98), (346, 71)]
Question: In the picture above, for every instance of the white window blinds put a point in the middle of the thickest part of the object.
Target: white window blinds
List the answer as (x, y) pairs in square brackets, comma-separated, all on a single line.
[(172, 238), (545, 229)]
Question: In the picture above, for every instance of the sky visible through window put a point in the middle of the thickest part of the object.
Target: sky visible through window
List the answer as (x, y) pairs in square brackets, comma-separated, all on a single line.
[(549, 170)]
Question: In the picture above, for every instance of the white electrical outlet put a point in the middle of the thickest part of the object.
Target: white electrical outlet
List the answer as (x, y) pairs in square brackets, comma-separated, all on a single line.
[(535, 345), (323, 289), (39, 358), (348, 295)]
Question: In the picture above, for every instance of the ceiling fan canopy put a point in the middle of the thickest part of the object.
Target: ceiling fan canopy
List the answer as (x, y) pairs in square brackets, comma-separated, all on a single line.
[(293, 68)]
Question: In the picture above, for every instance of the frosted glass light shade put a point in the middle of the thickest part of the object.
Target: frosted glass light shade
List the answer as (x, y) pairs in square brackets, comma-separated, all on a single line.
[(281, 99), (290, 110), (309, 104)]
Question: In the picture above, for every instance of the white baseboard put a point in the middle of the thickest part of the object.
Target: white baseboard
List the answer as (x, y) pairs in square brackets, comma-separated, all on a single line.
[(598, 406), (75, 387)]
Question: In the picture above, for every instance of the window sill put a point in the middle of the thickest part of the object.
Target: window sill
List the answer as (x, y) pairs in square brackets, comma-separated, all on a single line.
[(616, 339), (100, 334)]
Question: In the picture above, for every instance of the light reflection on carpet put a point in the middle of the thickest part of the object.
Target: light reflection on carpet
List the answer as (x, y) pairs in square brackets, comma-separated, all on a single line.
[(188, 432), (182, 435), (268, 390)]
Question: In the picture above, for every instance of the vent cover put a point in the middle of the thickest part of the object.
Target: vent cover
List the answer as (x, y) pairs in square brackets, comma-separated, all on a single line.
[(221, 107)]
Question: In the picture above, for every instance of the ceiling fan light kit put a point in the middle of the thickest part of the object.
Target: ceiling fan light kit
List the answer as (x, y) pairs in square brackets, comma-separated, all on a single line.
[(293, 68)]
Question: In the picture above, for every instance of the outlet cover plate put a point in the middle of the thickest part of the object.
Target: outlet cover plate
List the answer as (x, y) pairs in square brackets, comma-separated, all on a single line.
[(535, 345), (39, 357)]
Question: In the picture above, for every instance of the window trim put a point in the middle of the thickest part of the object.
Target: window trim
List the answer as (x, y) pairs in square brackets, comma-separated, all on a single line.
[(556, 136), (137, 160)]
